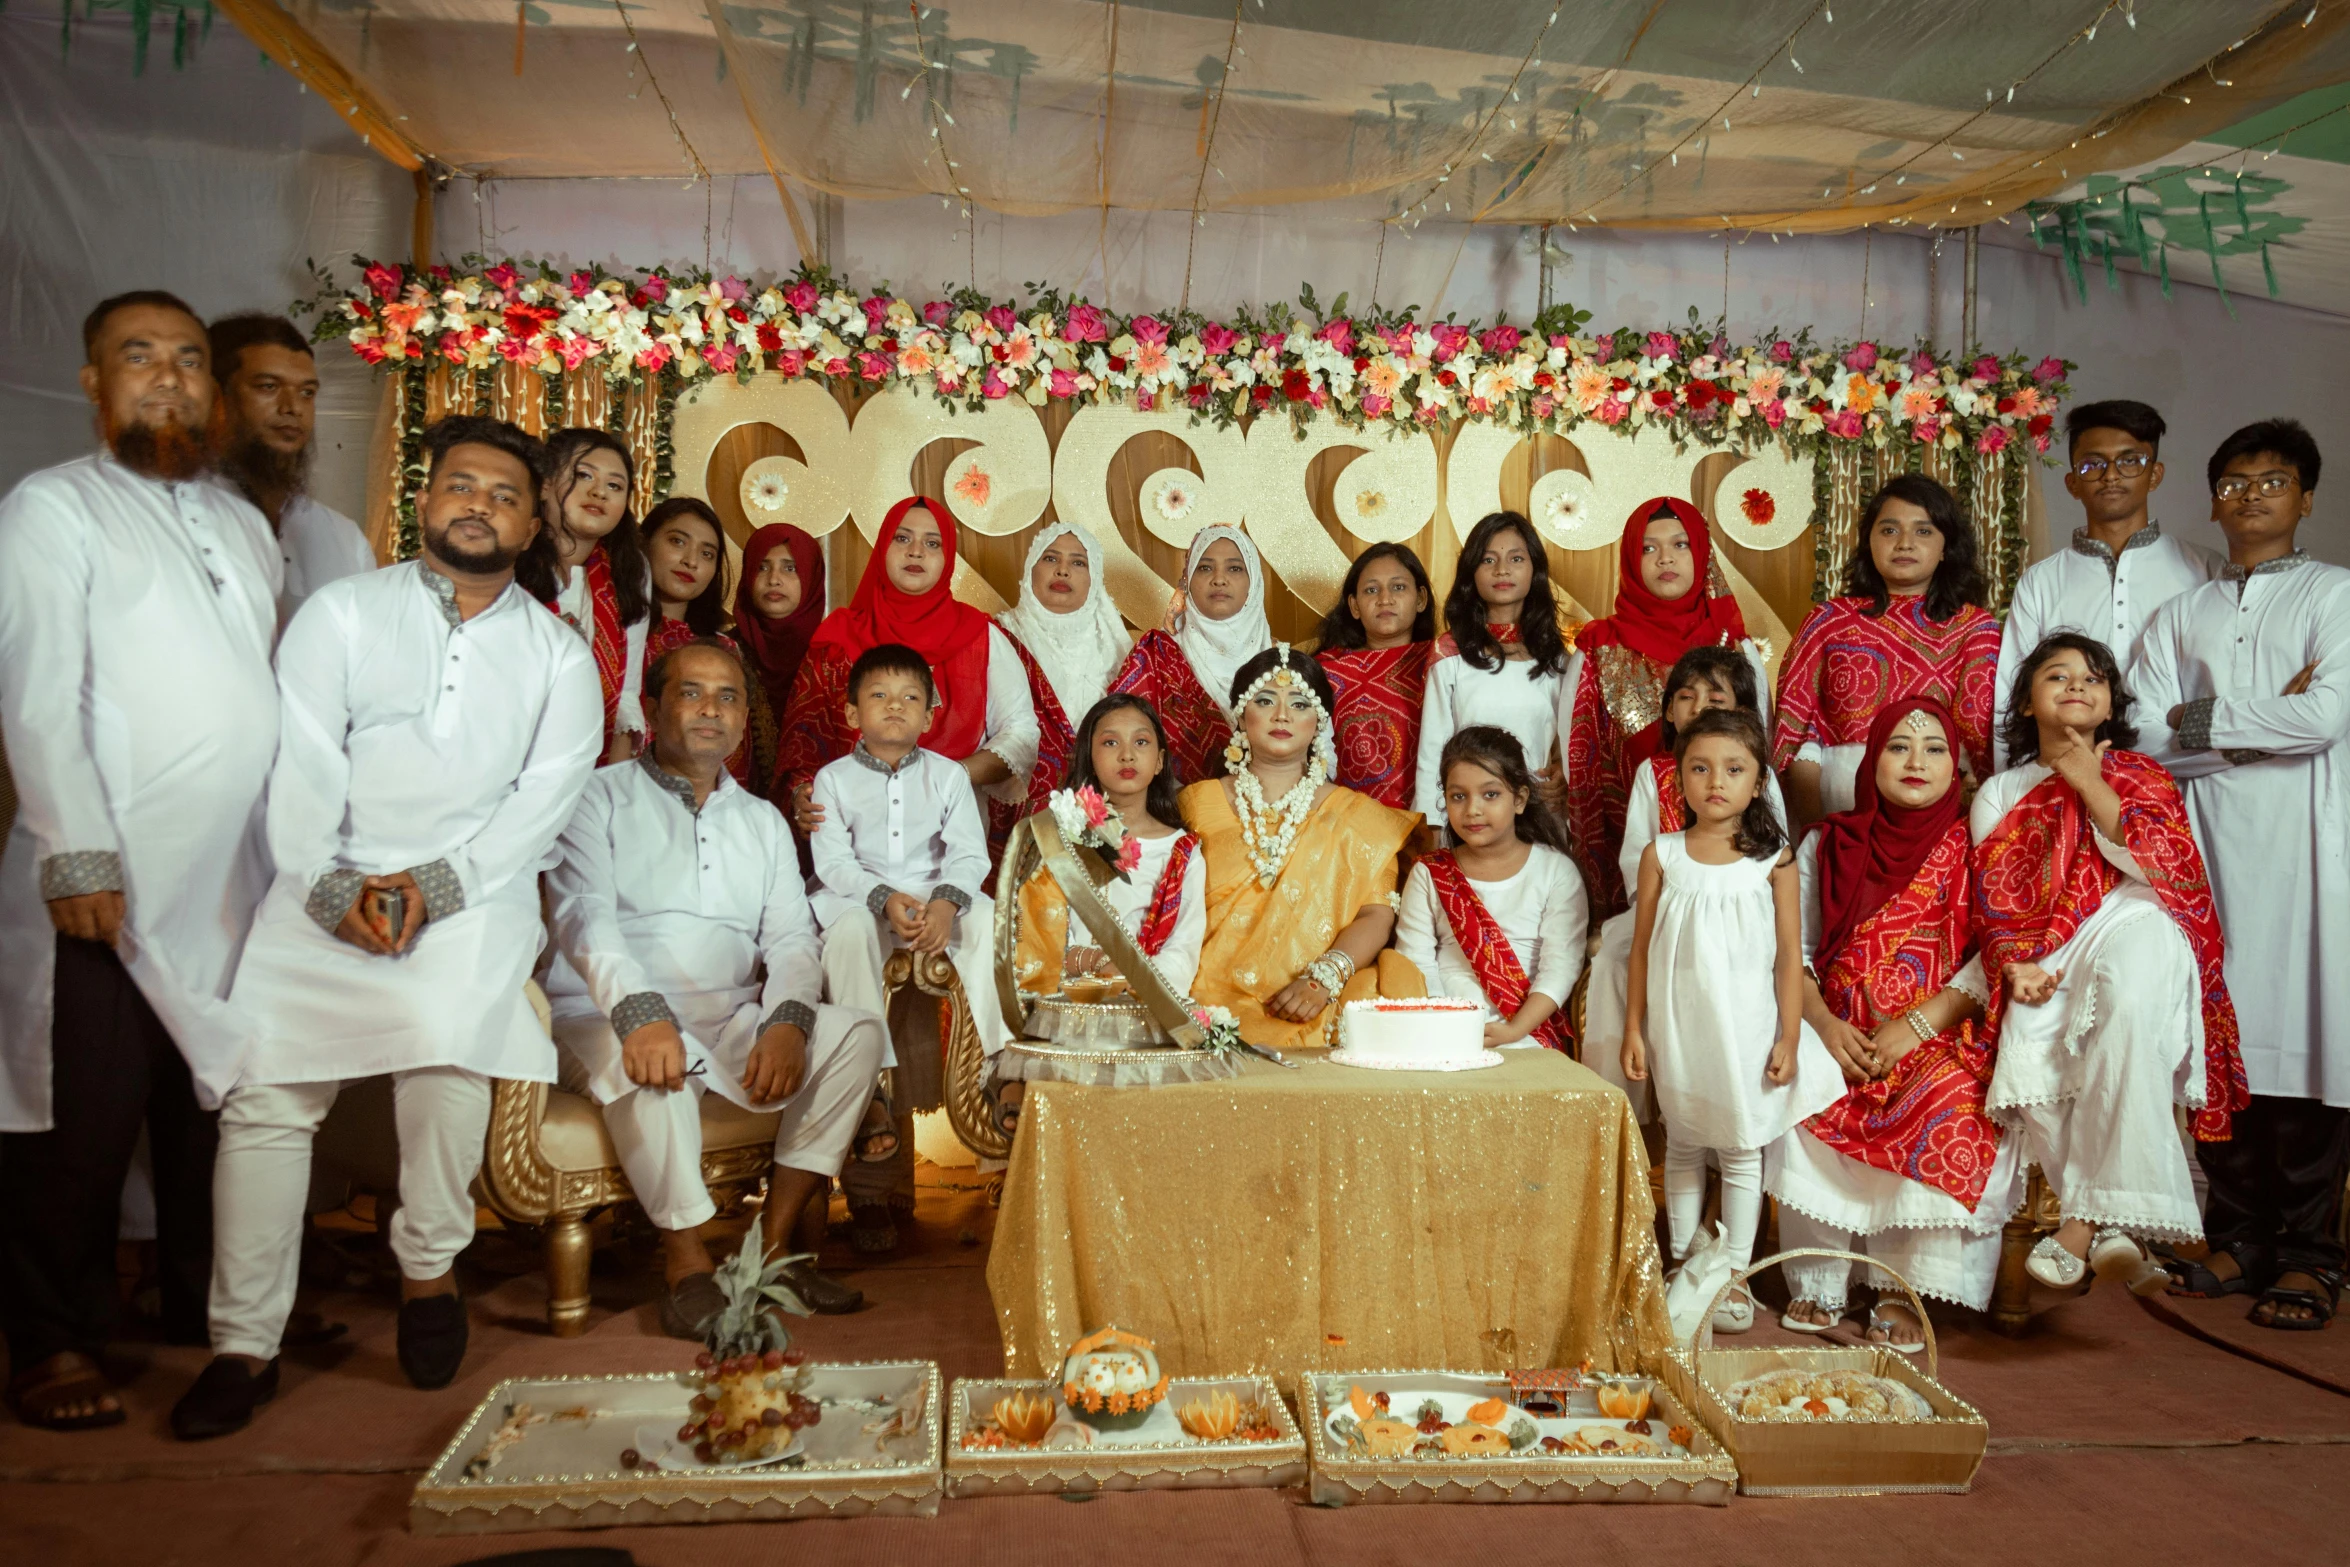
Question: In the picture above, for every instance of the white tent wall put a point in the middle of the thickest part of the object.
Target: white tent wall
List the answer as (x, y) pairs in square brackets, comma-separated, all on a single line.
[(214, 181)]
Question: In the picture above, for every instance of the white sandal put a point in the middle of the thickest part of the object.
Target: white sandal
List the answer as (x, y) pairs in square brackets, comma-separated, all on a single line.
[(2052, 1265), (2114, 1255), (1795, 1324), (1736, 1313)]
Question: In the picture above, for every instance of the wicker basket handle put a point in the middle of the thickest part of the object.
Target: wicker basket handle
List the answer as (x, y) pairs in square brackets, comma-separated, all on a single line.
[(1705, 1328)]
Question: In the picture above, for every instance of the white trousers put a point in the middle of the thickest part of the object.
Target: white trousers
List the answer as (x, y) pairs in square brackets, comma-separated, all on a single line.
[(658, 1131), (856, 948), (261, 1184), (1742, 1191), (1947, 1264)]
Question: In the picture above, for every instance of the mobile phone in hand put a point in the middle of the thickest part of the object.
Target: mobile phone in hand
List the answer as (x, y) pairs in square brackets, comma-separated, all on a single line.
[(387, 911)]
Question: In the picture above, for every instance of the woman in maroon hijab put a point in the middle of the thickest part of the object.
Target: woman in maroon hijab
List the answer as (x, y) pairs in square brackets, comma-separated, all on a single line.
[(778, 604)]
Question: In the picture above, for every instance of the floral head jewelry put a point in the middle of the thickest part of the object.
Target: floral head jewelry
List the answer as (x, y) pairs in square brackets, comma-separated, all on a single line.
[(1918, 721), (1285, 679), (1269, 828)]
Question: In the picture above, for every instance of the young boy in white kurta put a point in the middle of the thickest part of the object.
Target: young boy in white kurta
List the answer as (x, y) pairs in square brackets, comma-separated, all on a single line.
[(676, 889), (901, 860), (2246, 683), (438, 725)]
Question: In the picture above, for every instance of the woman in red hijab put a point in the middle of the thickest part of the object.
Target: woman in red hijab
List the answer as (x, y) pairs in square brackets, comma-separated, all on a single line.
[(1908, 1166), (778, 604), (1669, 599), (984, 718)]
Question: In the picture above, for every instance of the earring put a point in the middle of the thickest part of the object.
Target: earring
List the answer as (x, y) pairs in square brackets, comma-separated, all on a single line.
[(1236, 750)]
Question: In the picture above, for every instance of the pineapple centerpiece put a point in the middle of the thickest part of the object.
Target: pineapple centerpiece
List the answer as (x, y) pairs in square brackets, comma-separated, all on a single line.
[(750, 1408)]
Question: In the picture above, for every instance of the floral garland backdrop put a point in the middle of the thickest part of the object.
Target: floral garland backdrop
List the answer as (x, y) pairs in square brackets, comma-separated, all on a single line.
[(1903, 408)]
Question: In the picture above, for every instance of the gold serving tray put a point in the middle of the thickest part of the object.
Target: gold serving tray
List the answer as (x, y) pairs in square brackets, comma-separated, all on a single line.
[(1148, 1459), (566, 1472)]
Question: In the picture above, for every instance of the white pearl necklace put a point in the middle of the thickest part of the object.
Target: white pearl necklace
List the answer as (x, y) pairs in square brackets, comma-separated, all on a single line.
[(1269, 844)]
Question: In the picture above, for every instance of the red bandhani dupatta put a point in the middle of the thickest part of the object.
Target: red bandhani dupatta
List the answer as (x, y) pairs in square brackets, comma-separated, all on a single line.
[(1197, 730), (1926, 1120), (2039, 875), (1054, 740), (1672, 806), (1846, 663), (1499, 974), (607, 639), (1376, 727), (1166, 905)]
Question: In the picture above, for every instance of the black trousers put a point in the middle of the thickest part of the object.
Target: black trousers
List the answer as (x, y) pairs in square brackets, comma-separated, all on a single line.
[(115, 1069), (2276, 1186)]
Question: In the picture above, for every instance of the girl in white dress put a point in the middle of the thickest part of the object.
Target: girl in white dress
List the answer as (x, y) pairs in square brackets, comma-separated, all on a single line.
[(1501, 916), (1702, 678), (1501, 660), (1715, 1001)]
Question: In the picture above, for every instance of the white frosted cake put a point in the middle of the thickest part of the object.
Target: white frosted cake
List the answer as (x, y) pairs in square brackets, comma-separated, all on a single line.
[(1427, 1034)]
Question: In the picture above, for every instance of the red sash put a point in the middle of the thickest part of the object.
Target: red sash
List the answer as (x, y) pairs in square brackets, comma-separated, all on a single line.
[(1927, 1119), (1054, 739), (1499, 974), (1158, 919), (2039, 875), (607, 639), (1672, 806)]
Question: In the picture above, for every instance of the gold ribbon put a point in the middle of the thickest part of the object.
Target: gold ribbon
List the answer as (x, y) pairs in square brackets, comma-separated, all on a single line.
[(1077, 870)]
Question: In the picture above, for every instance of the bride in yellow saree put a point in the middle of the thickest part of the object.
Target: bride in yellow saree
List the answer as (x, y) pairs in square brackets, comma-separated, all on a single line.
[(1302, 874)]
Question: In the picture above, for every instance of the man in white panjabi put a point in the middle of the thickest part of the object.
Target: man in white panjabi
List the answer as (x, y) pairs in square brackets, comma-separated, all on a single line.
[(2121, 567), (438, 725), (2247, 680), (676, 888), (137, 604), (269, 384)]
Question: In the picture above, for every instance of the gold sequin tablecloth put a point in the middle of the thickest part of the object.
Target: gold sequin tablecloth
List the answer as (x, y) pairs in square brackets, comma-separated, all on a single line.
[(1333, 1219)]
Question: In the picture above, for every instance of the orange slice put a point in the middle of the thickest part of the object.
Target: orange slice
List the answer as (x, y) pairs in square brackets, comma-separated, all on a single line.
[(1360, 1402), (1489, 1413)]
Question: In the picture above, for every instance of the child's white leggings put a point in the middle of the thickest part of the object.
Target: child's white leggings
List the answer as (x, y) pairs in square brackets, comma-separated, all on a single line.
[(1742, 1191)]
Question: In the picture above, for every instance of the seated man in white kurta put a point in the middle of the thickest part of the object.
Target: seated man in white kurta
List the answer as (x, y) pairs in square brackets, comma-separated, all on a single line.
[(677, 886), (901, 858), (437, 726)]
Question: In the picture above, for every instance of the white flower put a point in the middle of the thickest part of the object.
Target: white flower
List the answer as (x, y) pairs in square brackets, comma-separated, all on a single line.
[(1175, 500), (1565, 509), (768, 492)]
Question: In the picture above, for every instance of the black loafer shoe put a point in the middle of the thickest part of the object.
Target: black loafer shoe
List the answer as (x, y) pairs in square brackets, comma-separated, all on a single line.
[(223, 1399), (688, 1305), (432, 1339), (827, 1296)]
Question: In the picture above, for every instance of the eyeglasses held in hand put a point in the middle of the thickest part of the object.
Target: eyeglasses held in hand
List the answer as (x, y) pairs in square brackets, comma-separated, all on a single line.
[(2129, 465), (2235, 486)]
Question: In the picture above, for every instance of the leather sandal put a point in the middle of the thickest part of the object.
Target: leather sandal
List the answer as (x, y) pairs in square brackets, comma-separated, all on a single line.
[(873, 1229), (64, 1379), (2195, 1280), (1879, 1322), (2320, 1303), (877, 1134)]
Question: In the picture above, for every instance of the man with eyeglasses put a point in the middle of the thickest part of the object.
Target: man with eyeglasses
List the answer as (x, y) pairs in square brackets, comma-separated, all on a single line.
[(2245, 684), (2121, 566)]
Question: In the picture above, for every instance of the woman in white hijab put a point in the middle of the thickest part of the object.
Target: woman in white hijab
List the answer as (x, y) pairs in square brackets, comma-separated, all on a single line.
[(1186, 670), (1068, 633)]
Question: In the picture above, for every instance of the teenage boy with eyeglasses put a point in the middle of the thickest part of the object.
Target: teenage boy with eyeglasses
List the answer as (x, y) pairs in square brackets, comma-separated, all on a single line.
[(2121, 567), (2245, 686)]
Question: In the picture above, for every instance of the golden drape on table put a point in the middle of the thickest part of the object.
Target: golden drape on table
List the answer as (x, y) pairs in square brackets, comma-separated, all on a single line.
[(1333, 1219)]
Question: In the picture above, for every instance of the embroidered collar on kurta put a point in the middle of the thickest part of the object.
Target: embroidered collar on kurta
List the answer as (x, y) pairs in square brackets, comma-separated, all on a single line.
[(866, 758), (679, 789), (2098, 549), (2231, 572)]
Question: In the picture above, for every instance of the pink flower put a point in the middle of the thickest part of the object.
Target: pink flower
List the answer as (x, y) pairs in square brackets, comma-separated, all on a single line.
[(1774, 413), (1603, 349), (801, 296), (574, 351), (1783, 351), (792, 362), (1861, 357), (1450, 339), (518, 348), (1845, 425), (1087, 325), (1090, 801), (722, 358), (1611, 411), (656, 288), (1399, 337), (1985, 368), (654, 357), (1147, 329), (1921, 363), (1339, 334), (991, 385), (1661, 345), (1501, 340), (1992, 440), (383, 281), (732, 289), (1129, 854), (502, 276), (1376, 406), (873, 366), (840, 367), (1064, 383), (581, 282), (1001, 318), (2047, 370), (2040, 444), (937, 313), (1928, 431), (876, 311), (1719, 347), (1217, 338), (1544, 407)]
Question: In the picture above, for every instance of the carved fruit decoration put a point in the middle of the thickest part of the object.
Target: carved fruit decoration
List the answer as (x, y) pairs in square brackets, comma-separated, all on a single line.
[(1626, 1400), (750, 1406), (1024, 1417), (1213, 1420)]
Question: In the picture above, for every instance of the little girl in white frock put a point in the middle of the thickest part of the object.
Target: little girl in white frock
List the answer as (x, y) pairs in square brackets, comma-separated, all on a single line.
[(1714, 1006)]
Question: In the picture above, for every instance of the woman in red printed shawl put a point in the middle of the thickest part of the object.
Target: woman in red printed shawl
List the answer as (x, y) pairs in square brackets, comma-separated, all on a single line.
[(1669, 599), (602, 586), (1909, 1166), (1375, 645), (778, 604), (1911, 623), (1185, 670), (2102, 944), (984, 719)]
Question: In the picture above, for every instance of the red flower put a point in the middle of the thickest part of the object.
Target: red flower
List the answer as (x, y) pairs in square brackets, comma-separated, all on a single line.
[(1262, 396), (2040, 424), (1117, 363), (1616, 383), (383, 281), (1662, 399), (1545, 378), (1701, 395), (2005, 405), (770, 340), (1447, 378), (1758, 506), (1200, 393), (1296, 385)]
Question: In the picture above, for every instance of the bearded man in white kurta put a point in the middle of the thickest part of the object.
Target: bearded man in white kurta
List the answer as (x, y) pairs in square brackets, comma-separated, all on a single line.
[(438, 726), (2251, 677), (676, 887), (137, 603)]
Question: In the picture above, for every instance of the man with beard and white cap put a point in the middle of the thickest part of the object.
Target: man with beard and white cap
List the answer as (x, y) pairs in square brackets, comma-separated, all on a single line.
[(439, 725), (137, 605), (269, 381)]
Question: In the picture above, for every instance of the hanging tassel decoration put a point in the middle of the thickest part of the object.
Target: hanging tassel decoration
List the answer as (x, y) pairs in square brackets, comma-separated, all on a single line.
[(2268, 269)]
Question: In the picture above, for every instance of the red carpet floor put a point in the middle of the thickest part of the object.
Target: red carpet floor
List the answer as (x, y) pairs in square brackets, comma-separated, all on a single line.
[(2112, 1432)]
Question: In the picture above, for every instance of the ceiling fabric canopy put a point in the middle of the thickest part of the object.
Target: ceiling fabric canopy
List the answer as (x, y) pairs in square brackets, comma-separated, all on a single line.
[(1799, 115)]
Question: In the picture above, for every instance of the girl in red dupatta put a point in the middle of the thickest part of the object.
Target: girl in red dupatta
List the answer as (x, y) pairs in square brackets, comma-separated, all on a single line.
[(602, 586), (1499, 917), (905, 597), (1375, 645), (1670, 598), (1911, 623), (1908, 1166), (778, 604), (1185, 670), (2103, 945)]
